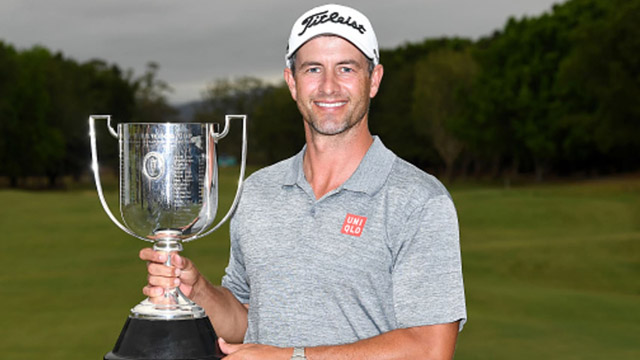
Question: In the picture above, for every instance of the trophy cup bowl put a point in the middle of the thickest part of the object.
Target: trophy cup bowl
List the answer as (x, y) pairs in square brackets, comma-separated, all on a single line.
[(168, 196)]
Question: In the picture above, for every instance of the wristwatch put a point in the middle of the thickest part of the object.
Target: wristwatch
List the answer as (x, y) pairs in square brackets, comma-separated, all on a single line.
[(298, 354)]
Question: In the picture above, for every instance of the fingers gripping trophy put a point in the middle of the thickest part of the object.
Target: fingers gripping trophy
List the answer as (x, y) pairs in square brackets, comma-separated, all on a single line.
[(168, 196)]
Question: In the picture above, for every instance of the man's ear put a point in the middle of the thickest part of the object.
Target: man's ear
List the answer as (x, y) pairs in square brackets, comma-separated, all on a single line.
[(291, 83), (376, 79)]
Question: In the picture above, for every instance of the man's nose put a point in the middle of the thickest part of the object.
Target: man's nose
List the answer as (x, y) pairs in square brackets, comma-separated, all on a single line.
[(329, 83)]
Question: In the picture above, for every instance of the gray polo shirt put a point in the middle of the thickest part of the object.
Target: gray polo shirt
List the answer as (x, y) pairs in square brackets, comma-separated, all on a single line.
[(380, 252)]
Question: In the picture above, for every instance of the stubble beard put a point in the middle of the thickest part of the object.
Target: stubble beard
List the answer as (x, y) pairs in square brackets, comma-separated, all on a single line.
[(331, 128)]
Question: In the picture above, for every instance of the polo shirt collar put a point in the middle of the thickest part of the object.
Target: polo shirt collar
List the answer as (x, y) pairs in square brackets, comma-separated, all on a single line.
[(369, 177), (295, 174)]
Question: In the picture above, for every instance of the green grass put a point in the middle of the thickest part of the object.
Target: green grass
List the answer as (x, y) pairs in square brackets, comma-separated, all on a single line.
[(551, 272)]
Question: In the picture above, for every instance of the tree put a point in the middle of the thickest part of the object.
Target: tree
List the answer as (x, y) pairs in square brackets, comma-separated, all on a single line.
[(443, 83), (151, 100), (598, 87), (513, 93), (391, 110), (276, 126), (9, 124), (232, 96), (45, 101), (34, 144)]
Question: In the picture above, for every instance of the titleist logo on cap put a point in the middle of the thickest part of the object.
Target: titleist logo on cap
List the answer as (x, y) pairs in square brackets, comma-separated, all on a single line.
[(334, 17)]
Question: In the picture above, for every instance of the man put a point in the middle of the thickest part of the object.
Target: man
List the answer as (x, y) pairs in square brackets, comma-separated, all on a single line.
[(343, 251)]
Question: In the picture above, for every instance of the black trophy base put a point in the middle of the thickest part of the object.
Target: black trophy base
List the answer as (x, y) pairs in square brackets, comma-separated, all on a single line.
[(142, 339)]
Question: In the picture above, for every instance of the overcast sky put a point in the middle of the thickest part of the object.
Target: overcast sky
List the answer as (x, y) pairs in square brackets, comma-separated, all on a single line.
[(198, 41)]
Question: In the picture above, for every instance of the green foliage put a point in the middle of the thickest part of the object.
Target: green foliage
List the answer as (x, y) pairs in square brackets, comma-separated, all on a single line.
[(443, 84), (34, 144), (392, 110), (514, 91), (549, 94), (275, 125), (45, 100), (554, 94), (599, 84), (151, 101)]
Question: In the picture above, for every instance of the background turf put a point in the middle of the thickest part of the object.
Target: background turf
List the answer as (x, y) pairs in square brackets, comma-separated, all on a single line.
[(551, 271)]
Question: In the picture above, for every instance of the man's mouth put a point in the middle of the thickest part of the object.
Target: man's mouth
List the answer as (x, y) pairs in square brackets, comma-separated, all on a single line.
[(330, 104)]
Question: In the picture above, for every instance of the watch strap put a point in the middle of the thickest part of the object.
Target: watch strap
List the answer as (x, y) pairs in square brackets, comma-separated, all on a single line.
[(298, 354)]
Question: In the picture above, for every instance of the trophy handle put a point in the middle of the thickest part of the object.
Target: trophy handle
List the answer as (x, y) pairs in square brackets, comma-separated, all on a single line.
[(96, 172), (243, 160)]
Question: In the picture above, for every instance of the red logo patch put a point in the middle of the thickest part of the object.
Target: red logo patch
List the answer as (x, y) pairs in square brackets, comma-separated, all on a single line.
[(353, 225)]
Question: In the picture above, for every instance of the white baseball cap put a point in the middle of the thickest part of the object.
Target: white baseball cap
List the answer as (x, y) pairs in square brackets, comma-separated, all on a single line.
[(332, 19)]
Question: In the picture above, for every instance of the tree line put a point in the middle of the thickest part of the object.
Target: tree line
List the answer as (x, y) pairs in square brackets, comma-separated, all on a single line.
[(45, 101), (554, 94)]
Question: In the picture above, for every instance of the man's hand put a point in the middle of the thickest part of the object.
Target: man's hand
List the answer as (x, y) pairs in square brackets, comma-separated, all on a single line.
[(435, 342), (254, 351), (182, 273)]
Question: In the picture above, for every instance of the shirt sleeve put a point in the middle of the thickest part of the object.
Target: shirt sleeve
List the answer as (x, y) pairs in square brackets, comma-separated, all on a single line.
[(427, 273), (235, 278)]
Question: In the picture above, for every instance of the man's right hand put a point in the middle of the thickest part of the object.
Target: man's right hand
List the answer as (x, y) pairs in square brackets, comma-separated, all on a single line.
[(228, 316), (182, 273)]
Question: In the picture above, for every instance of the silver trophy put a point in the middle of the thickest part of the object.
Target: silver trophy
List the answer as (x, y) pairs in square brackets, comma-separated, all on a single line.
[(168, 196)]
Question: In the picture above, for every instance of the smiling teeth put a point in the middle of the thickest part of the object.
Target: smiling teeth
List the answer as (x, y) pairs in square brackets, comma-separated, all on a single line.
[(331, 104)]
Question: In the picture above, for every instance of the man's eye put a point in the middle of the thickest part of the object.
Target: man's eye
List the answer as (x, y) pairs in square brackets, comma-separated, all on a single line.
[(346, 69), (313, 70)]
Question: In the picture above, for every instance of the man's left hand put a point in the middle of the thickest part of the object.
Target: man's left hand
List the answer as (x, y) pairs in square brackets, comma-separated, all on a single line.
[(254, 351)]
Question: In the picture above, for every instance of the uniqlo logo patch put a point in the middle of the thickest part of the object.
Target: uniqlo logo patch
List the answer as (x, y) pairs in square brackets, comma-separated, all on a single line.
[(353, 225)]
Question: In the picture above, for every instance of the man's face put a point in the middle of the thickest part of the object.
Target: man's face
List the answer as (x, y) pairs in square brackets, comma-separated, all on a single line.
[(332, 85)]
